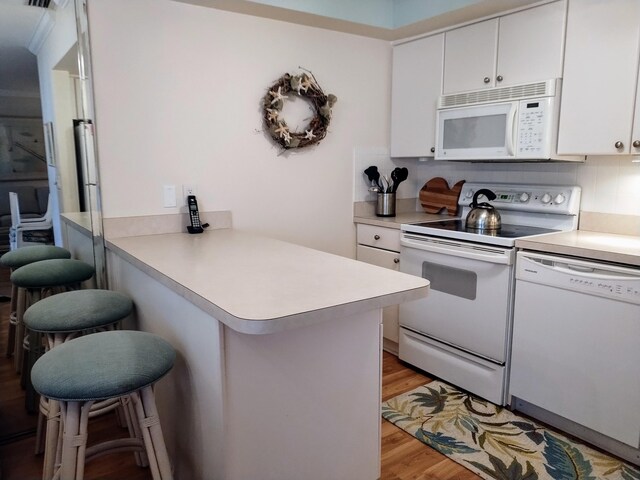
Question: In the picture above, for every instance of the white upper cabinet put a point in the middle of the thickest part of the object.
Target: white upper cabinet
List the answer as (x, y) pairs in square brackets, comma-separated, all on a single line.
[(600, 79), (470, 57), (416, 86), (522, 47)]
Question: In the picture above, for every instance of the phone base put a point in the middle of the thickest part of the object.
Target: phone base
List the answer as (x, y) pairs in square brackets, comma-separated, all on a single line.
[(195, 229)]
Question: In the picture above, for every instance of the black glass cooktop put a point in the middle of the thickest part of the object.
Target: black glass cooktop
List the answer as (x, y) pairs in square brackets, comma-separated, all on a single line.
[(505, 231)]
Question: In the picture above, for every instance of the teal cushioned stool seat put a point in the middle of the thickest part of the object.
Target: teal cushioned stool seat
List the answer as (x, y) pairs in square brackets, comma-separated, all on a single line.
[(13, 260), (77, 310), (52, 273), (116, 364), (103, 365), (26, 255)]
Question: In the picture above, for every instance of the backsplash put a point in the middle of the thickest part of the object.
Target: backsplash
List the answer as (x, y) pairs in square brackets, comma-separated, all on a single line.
[(610, 185)]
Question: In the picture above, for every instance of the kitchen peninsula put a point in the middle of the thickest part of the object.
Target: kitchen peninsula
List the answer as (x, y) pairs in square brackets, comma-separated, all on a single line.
[(279, 357)]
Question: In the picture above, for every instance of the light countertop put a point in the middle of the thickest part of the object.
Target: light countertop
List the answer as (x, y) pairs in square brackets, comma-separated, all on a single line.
[(259, 285), (607, 247), (399, 219), (81, 221), (407, 211)]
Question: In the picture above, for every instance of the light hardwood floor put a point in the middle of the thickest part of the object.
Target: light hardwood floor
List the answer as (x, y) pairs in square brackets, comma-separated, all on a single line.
[(403, 457)]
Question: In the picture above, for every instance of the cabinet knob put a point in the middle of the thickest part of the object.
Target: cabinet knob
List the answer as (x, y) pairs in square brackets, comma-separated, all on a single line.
[(499, 78), (636, 143), (433, 149), (487, 79), (396, 260), (618, 144), (376, 237)]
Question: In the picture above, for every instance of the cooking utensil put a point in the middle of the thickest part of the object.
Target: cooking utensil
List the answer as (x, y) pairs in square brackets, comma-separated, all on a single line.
[(373, 175), (398, 175), (483, 216), (388, 182)]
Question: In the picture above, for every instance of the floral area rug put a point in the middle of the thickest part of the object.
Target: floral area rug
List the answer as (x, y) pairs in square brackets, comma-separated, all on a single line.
[(494, 442)]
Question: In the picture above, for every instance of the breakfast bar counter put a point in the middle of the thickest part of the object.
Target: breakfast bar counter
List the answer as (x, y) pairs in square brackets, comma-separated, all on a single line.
[(279, 352)]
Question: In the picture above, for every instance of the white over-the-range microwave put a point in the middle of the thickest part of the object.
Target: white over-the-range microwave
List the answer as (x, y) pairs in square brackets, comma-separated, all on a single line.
[(515, 123)]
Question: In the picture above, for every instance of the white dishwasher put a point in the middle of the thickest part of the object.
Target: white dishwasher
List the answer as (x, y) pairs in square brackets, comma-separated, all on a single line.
[(576, 342)]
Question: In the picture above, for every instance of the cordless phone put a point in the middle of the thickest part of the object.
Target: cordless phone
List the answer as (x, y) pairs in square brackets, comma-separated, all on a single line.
[(194, 215)]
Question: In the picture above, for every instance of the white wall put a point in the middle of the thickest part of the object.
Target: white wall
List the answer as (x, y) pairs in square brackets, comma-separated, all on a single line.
[(178, 91)]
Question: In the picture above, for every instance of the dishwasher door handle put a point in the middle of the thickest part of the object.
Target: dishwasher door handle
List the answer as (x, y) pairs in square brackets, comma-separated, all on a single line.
[(580, 268), (573, 269)]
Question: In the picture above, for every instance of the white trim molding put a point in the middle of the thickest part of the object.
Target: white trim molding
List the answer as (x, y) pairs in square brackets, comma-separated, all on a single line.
[(41, 32)]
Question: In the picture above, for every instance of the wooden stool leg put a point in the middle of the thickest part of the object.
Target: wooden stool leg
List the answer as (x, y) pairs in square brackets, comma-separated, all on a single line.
[(152, 433), (51, 439), (11, 334), (41, 428), (75, 417), (19, 338), (53, 340), (133, 426)]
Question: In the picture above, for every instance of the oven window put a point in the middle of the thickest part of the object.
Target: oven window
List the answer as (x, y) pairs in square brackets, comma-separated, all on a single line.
[(454, 281), (483, 131)]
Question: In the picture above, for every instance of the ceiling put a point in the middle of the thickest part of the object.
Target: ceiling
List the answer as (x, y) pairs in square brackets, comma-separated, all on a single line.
[(383, 19)]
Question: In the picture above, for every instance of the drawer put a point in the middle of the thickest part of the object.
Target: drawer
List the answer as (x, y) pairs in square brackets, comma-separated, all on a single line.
[(379, 237)]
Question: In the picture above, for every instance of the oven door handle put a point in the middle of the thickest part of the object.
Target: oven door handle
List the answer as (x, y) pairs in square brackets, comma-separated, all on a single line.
[(483, 253)]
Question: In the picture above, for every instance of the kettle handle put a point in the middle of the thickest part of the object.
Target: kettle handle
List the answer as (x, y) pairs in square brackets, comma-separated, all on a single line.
[(483, 191)]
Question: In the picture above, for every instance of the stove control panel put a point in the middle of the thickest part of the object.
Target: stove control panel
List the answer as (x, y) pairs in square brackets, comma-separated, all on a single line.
[(558, 199)]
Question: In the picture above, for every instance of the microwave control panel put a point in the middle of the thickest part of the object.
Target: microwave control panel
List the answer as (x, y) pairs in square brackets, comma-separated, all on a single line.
[(532, 127)]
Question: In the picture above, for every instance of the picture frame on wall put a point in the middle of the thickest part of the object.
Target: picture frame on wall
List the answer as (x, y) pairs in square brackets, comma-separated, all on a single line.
[(49, 144)]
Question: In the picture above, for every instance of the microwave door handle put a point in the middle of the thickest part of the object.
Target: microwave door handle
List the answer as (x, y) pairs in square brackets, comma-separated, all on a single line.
[(511, 131)]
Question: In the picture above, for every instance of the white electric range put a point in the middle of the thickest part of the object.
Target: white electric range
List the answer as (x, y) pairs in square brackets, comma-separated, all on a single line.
[(461, 332)]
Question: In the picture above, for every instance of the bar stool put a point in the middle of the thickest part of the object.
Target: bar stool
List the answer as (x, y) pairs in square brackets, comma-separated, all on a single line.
[(14, 260), (60, 318), (104, 365), (41, 279)]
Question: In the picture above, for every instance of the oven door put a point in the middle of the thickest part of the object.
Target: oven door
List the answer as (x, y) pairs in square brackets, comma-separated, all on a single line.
[(469, 305)]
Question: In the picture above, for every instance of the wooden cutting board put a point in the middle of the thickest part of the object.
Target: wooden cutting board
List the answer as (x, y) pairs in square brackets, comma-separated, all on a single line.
[(436, 195)]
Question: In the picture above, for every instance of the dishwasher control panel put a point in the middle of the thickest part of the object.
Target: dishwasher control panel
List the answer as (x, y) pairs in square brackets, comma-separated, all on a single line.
[(592, 278)]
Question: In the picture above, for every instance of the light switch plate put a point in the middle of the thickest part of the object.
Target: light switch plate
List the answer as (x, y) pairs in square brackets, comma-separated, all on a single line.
[(169, 194)]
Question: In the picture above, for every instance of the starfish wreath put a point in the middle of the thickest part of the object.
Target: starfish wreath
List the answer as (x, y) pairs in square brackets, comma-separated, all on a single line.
[(303, 85)]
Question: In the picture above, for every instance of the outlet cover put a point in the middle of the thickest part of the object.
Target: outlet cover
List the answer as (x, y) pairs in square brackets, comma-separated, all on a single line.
[(189, 189)]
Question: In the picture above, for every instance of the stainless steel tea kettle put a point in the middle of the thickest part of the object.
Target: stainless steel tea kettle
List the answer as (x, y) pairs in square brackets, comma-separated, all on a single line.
[(483, 216)]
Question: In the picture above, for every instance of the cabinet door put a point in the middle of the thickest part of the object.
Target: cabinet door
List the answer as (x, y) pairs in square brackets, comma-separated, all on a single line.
[(530, 45), (635, 136), (385, 259), (416, 86), (470, 57), (600, 73)]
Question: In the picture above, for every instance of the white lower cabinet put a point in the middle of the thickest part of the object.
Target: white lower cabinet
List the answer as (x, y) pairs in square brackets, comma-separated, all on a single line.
[(381, 246)]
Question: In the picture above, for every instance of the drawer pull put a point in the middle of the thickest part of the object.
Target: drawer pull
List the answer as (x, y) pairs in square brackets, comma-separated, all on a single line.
[(376, 237), (396, 260)]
